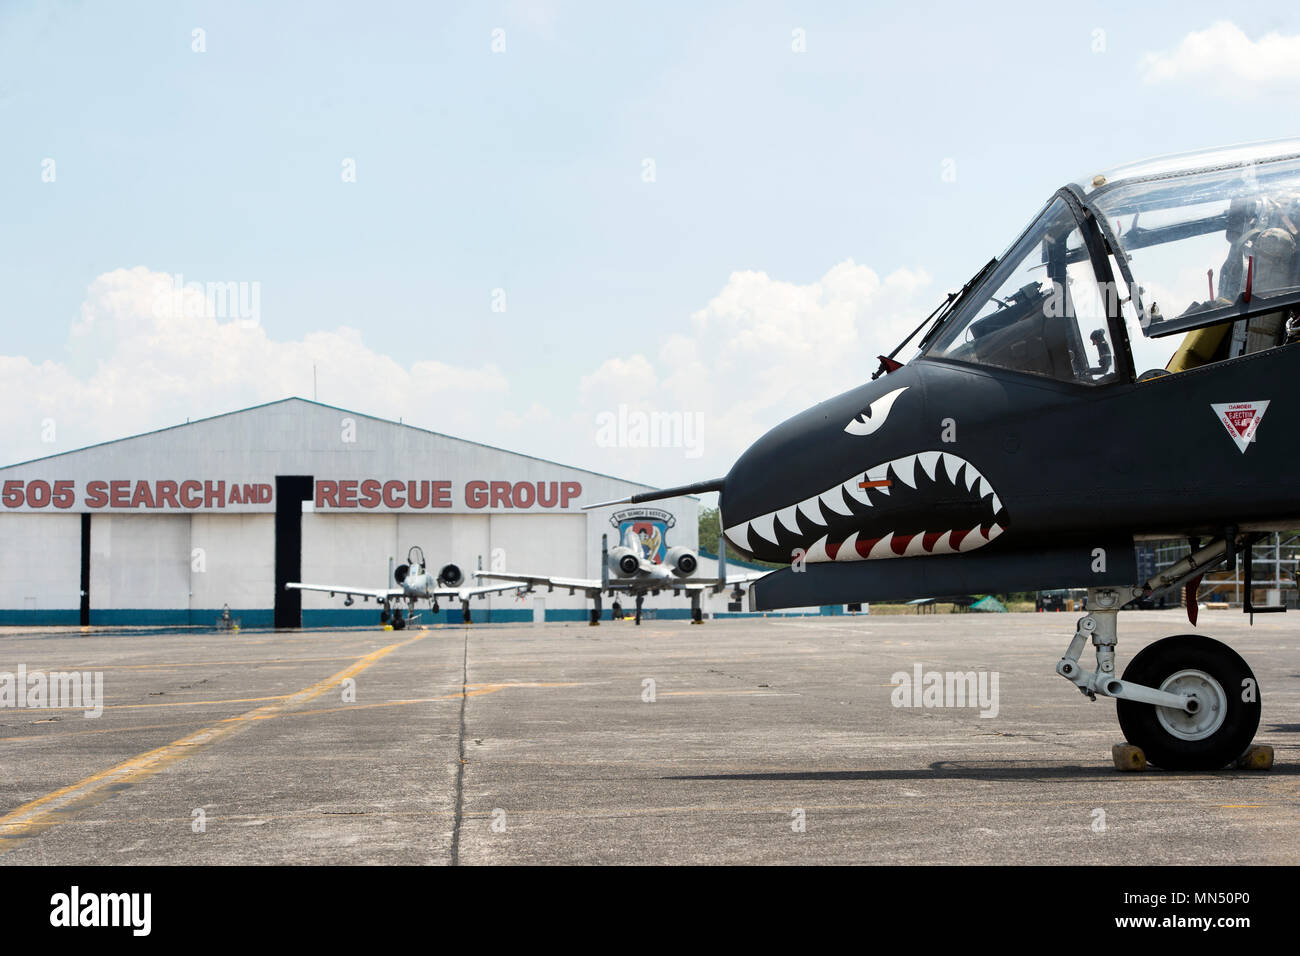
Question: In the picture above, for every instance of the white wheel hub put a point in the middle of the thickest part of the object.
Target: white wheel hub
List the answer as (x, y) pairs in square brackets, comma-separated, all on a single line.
[(1211, 705)]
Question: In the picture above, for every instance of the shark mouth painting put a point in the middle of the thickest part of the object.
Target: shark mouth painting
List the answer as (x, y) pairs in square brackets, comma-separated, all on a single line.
[(928, 503)]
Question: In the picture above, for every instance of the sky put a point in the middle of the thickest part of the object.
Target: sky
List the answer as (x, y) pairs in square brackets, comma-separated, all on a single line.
[(566, 229)]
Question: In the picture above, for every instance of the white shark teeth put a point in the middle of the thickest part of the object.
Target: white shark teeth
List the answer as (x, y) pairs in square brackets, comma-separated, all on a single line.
[(879, 473), (811, 510), (849, 549), (915, 546), (764, 526), (834, 499), (789, 518), (905, 469), (952, 464), (739, 535), (853, 491), (840, 498), (944, 544), (884, 548), (817, 551)]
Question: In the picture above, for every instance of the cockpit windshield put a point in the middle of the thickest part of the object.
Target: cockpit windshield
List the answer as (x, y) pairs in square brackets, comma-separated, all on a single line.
[(1041, 311)]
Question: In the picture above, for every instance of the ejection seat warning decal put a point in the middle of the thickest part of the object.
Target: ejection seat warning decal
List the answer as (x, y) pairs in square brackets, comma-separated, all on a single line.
[(1241, 419)]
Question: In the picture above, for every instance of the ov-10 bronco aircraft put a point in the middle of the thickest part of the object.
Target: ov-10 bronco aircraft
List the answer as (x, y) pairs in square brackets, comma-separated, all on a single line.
[(1126, 370), (413, 584), (627, 570)]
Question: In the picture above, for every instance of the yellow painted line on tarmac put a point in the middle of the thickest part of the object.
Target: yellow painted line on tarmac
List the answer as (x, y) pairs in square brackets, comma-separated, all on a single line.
[(58, 735), (169, 703), (472, 690), (165, 666), (46, 811), (475, 690)]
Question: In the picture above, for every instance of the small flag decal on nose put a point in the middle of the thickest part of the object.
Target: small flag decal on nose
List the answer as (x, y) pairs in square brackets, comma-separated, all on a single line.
[(1241, 419)]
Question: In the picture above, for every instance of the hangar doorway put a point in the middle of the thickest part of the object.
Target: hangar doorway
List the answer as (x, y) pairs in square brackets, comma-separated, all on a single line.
[(290, 492)]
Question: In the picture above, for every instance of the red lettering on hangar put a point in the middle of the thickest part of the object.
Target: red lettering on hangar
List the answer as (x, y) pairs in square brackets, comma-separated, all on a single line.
[(165, 494), (371, 493), (521, 494)]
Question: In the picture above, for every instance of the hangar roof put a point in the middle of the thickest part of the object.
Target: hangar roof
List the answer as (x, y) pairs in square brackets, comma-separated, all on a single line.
[(321, 405), (349, 454)]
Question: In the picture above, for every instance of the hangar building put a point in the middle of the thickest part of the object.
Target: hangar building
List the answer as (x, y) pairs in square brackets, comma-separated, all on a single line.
[(171, 526)]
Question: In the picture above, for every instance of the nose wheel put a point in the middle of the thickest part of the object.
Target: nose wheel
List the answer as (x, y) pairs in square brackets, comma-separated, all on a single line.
[(1221, 716), (1187, 702)]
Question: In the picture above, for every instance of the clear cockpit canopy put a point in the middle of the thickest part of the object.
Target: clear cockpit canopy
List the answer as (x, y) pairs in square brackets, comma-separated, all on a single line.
[(1207, 244), (1206, 234)]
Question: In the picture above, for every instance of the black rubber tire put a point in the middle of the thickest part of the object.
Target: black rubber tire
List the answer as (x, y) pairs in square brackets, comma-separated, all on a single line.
[(383, 617), (399, 621), (1153, 665)]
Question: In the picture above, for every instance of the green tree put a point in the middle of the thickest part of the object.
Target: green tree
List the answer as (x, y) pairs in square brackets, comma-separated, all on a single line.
[(710, 529)]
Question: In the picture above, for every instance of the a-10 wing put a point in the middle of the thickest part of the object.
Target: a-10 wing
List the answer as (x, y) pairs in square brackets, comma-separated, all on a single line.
[(379, 594), (465, 594), (386, 594), (589, 585), (732, 580), (592, 587)]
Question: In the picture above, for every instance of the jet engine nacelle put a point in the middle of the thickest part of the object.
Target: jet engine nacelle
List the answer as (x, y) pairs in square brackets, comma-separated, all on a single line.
[(450, 576), (400, 572), (624, 561), (682, 561)]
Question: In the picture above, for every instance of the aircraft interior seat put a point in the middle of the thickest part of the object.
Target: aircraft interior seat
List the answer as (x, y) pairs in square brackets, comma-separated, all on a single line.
[(1198, 347), (1276, 265)]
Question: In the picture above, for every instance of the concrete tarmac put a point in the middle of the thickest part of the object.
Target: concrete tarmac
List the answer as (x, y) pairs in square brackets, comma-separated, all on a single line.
[(739, 741)]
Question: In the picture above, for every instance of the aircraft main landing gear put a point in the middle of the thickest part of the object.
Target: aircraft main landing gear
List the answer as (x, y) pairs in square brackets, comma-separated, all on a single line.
[(1189, 702)]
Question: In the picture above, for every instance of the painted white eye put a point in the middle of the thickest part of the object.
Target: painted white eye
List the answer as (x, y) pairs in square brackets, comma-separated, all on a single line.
[(870, 420)]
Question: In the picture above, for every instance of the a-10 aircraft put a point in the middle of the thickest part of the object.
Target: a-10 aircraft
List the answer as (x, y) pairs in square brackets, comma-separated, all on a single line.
[(414, 584), (1126, 370), (627, 570)]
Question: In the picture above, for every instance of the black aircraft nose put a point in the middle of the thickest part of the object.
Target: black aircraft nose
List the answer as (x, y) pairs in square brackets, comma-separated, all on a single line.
[(853, 478)]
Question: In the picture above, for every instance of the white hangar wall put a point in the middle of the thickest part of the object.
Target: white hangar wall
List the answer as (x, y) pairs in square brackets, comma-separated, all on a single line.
[(183, 521), (40, 558)]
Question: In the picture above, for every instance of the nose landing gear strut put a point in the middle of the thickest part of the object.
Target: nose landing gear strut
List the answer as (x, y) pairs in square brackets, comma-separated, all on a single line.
[(1189, 702)]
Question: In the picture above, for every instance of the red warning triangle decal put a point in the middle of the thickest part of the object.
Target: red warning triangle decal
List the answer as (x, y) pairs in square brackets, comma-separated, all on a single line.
[(1241, 419)]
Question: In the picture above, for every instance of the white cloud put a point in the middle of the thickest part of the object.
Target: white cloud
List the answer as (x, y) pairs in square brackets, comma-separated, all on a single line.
[(136, 365), (1224, 52), (760, 350), (626, 378)]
